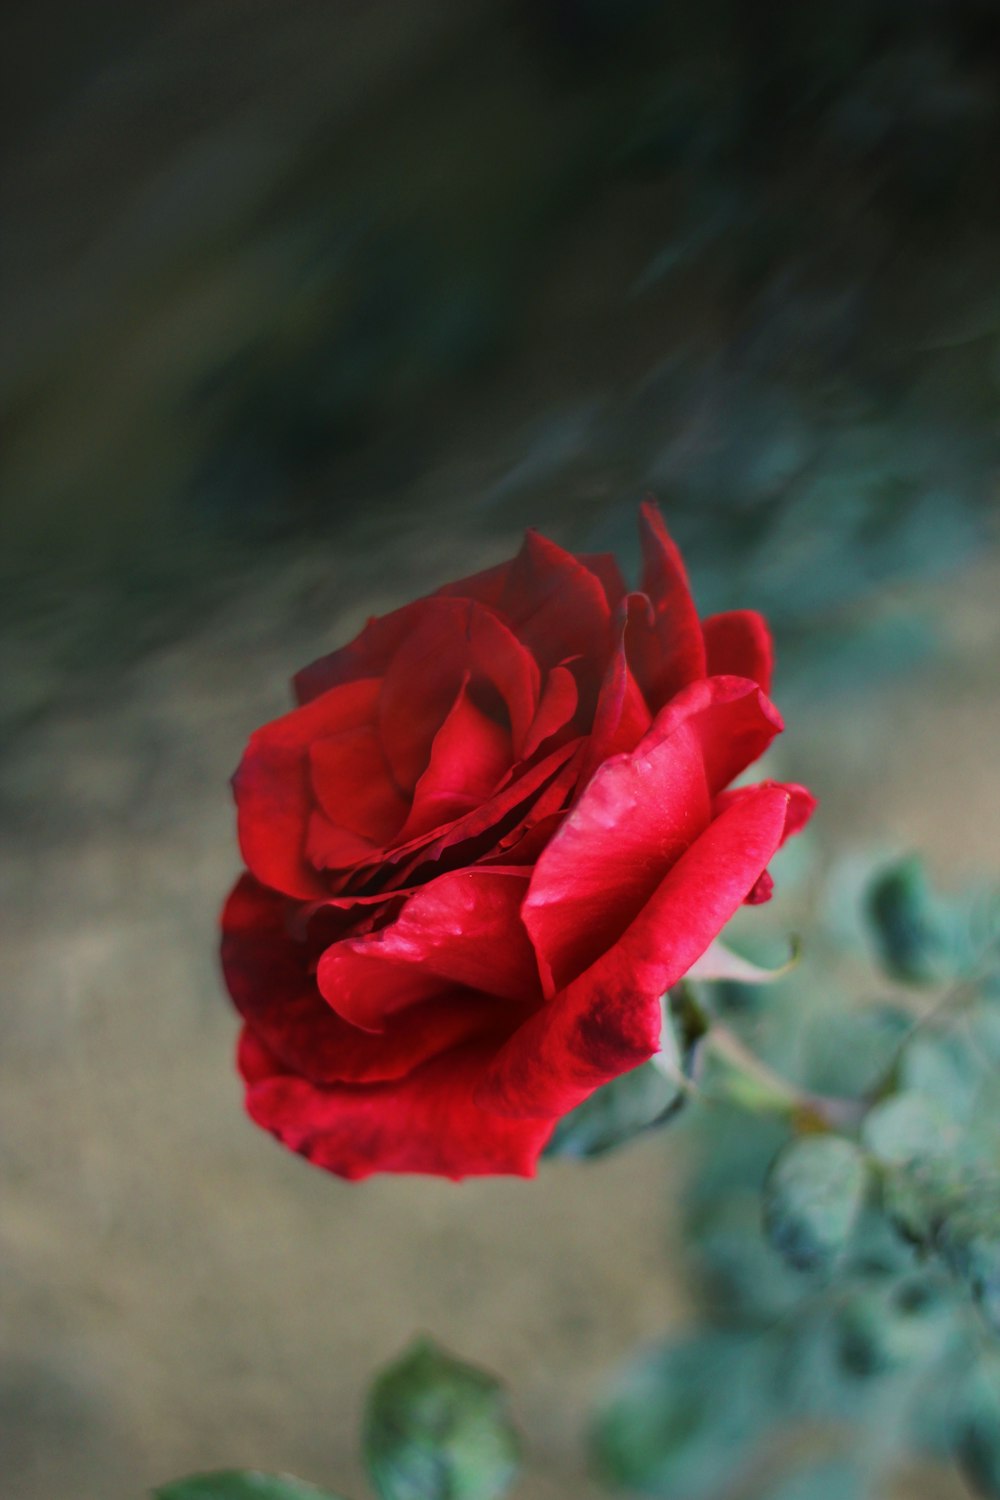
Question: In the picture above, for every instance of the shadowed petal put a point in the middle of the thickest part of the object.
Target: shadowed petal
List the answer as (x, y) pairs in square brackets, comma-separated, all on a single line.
[(470, 755), (452, 639), (463, 928), (667, 651), (273, 787), (738, 644), (269, 976)]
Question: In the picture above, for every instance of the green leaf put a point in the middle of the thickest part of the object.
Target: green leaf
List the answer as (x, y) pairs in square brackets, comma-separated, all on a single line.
[(812, 1198), (635, 1102), (890, 1325), (977, 1444), (680, 1420), (851, 1050), (907, 1127), (438, 1429), (969, 1241), (910, 929), (240, 1484)]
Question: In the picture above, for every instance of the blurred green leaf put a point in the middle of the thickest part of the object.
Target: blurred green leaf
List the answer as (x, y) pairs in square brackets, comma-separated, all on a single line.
[(812, 1198), (907, 1127), (942, 1068), (892, 1324), (910, 928), (969, 1241), (438, 1429), (240, 1484), (851, 1050), (977, 1441), (680, 1420)]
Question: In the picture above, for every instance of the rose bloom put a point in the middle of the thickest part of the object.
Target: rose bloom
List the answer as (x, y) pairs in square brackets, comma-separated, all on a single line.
[(491, 836)]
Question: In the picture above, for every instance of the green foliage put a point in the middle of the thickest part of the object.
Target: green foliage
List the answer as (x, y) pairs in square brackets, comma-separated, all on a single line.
[(681, 1419), (864, 1300), (438, 1429), (812, 1198), (240, 1484), (978, 1429), (910, 931)]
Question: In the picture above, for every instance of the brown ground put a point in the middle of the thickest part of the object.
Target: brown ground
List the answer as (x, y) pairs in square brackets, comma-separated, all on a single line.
[(180, 1293)]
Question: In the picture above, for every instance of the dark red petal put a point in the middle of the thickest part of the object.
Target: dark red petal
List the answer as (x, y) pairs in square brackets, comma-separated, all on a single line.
[(470, 756), (556, 709), (451, 638), (668, 652), (366, 656), (486, 587), (464, 928), (738, 644), (527, 795), (604, 565), (329, 847), (273, 789), (621, 717), (426, 1122), (762, 890), (353, 785), (268, 975), (608, 1020), (555, 604)]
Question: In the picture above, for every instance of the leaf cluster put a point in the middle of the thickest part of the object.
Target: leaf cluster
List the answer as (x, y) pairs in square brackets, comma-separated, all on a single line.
[(847, 1270)]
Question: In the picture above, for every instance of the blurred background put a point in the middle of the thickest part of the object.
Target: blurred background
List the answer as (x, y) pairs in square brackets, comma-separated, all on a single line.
[(306, 309)]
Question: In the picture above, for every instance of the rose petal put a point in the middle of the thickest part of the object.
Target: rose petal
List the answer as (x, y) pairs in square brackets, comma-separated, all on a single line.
[(801, 806), (801, 803), (638, 814), (451, 639), (353, 786), (269, 976), (668, 652), (621, 716), (555, 604), (557, 707), (604, 566), (273, 789), (463, 928), (735, 721), (366, 656), (525, 796), (469, 757), (608, 1020), (426, 1122), (738, 644)]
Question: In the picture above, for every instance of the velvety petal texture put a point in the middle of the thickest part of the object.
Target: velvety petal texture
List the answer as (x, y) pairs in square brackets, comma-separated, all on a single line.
[(496, 829)]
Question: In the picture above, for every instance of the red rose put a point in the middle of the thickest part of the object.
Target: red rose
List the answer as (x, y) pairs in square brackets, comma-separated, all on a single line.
[(491, 836)]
